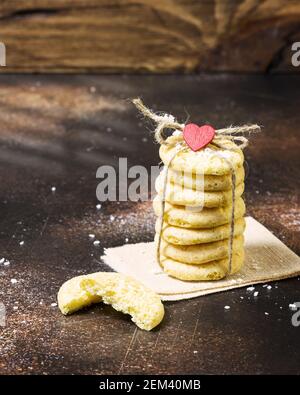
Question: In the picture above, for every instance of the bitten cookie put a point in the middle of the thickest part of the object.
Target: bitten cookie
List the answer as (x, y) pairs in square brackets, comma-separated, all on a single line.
[(124, 293)]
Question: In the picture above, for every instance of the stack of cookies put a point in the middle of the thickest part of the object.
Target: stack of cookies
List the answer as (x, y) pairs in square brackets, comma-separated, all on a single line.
[(197, 214)]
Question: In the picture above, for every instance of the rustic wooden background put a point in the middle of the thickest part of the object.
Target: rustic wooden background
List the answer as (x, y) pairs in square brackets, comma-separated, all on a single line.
[(149, 35)]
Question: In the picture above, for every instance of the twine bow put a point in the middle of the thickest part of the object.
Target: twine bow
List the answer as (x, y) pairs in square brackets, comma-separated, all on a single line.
[(167, 121)]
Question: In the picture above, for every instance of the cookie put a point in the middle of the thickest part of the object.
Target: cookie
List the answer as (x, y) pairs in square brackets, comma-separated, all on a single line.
[(178, 195), (124, 293), (200, 253), (211, 271), (212, 161), (205, 182), (184, 217), (184, 236)]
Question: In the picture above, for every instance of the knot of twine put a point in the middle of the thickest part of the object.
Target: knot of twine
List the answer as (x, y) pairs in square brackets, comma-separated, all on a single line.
[(167, 121)]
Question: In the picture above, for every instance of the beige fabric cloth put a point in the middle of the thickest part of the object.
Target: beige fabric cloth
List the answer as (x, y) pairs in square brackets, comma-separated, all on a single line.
[(267, 259)]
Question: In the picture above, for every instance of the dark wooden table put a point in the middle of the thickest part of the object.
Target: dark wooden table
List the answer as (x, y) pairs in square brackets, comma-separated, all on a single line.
[(55, 132)]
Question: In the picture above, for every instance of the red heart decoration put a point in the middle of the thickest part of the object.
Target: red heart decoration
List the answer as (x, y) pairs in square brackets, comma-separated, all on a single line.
[(198, 137)]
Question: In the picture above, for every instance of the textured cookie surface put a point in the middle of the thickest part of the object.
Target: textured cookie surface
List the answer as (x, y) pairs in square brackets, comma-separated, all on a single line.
[(200, 253), (124, 293), (184, 236), (187, 217), (205, 161), (178, 195), (205, 182), (215, 270)]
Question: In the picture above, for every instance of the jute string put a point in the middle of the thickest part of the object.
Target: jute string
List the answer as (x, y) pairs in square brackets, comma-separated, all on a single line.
[(167, 121)]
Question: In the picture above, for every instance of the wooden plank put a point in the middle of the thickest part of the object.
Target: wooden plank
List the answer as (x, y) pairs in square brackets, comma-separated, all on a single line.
[(148, 35)]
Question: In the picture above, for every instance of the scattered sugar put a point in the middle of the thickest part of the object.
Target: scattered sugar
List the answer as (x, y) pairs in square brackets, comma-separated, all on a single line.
[(2, 260), (96, 242), (53, 189), (98, 206), (226, 307), (269, 287), (250, 289), (91, 236), (6, 263), (13, 281), (266, 313), (242, 297), (255, 294), (226, 154), (21, 242), (111, 218), (53, 304), (126, 239), (15, 307), (177, 133)]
